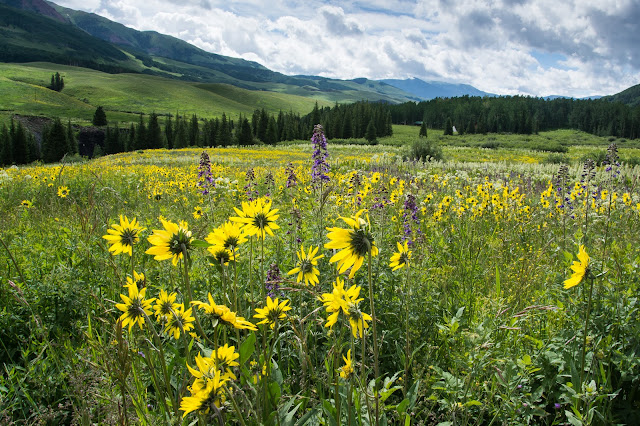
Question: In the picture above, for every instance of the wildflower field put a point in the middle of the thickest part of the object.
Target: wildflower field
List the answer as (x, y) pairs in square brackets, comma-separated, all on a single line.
[(319, 285)]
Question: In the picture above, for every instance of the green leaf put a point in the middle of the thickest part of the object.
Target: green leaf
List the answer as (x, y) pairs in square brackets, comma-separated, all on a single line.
[(247, 348), (497, 281), (200, 243), (472, 403)]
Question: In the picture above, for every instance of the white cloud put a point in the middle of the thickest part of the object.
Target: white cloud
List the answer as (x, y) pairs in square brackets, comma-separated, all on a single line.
[(488, 44)]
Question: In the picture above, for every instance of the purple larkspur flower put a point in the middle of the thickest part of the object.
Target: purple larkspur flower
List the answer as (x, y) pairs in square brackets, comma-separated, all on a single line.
[(320, 167)]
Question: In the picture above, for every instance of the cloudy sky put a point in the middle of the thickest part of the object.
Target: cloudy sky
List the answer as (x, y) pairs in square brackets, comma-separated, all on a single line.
[(533, 47)]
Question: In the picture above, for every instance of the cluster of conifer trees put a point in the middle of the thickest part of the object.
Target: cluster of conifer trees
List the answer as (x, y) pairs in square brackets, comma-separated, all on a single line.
[(19, 146), (368, 120), (521, 114)]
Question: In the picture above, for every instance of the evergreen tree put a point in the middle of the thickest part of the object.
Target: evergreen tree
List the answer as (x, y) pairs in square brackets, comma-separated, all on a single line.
[(6, 147), (448, 127), (181, 139), (57, 82), (19, 143), (131, 140), (154, 132), (244, 136), (99, 117), (33, 150), (271, 136), (423, 128), (263, 123), (224, 132), (141, 135), (370, 134), (168, 132), (194, 131), (54, 142)]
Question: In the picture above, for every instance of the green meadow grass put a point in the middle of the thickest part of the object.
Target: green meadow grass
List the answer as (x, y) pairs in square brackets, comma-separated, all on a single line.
[(123, 96)]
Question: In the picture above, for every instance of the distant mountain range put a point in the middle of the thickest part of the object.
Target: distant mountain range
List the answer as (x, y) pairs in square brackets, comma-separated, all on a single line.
[(426, 90), (38, 30)]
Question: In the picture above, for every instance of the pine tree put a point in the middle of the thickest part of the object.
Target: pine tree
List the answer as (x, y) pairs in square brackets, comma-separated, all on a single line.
[(131, 140), (19, 142), (448, 127), (181, 139), (244, 136), (54, 142), (168, 132), (423, 128), (154, 132), (99, 117), (6, 148), (141, 135), (224, 132), (194, 131), (370, 134), (271, 136), (263, 123)]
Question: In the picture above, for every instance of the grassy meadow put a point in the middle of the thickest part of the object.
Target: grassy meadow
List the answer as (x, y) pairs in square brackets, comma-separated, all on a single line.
[(390, 293), (124, 96)]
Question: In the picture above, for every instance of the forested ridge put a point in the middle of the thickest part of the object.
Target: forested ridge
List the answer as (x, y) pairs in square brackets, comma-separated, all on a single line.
[(522, 114)]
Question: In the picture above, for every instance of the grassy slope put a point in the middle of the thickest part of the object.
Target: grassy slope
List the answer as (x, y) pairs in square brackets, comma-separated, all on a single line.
[(124, 94)]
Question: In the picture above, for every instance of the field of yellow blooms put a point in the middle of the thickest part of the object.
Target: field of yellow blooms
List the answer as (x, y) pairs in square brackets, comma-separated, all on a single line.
[(319, 285)]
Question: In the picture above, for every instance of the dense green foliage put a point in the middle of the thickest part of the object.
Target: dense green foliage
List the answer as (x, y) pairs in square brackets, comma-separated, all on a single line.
[(522, 115)]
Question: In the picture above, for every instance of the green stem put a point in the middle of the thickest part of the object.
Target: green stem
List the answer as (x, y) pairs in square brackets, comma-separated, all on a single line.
[(262, 290), (375, 343), (187, 284), (235, 406), (584, 338), (167, 382), (407, 348)]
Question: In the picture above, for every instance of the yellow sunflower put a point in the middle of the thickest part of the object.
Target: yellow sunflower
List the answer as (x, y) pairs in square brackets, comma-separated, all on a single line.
[(347, 369), (273, 312), (179, 321), (138, 280), (258, 217), (306, 267), (165, 305), (63, 191), (228, 236), (400, 258), (135, 307), (223, 315), (123, 236), (26, 203), (354, 243), (580, 269), (170, 242), (212, 393)]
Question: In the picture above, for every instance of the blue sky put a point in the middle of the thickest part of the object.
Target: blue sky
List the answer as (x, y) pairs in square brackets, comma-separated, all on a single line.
[(532, 47)]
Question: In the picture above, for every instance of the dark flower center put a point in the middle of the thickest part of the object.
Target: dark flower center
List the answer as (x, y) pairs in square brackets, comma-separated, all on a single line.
[(361, 242)]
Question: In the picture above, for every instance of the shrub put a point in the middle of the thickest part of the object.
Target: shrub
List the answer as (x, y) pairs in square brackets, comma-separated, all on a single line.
[(424, 150), (549, 147), (556, 158)]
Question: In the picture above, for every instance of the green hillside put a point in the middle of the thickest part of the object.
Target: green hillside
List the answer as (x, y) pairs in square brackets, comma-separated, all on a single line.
[(91, 41), (26, 35), (124, 96), (630, 96)]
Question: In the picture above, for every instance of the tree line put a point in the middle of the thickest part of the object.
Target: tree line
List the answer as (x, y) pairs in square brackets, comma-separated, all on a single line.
[(522, 115), (362, 119), (19, 146)]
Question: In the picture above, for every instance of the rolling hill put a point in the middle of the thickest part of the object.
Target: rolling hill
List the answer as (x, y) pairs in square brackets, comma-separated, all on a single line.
[(125, 95), (38, 31), (630, 96)]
